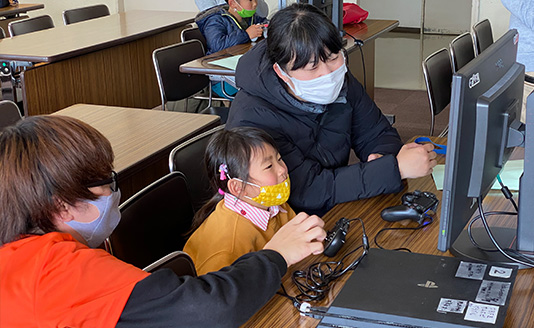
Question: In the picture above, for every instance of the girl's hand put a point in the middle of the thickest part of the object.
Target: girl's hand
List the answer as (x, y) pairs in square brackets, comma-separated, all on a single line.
[(299, 238)]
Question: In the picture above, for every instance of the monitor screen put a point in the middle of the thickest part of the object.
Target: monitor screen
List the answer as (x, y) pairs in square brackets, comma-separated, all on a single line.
[(486, 103), (332, 9)]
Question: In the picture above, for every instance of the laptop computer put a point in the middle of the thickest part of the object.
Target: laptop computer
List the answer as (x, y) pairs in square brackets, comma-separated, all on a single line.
[(400, 289)]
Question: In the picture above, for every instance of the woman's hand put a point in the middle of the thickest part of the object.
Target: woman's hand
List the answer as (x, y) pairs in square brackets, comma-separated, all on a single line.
[(416, 160)]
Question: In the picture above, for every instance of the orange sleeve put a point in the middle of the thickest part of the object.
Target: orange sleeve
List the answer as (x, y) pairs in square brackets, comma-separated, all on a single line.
[(88, 288)]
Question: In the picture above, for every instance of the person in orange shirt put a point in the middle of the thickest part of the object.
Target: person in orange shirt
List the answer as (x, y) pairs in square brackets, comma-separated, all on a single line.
[(59, 199), (244, 165)]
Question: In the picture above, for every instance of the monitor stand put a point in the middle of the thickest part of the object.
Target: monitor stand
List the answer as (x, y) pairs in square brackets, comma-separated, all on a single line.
[(506, 237)]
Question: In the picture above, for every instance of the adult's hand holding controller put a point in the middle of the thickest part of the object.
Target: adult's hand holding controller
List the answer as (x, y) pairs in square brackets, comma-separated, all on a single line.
[(416, 160), (299, 238), (414, 207)]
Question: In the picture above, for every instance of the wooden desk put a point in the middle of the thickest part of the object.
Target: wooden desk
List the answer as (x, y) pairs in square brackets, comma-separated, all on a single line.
[(366, 31), (21, 8), (279, 312), (12, 13), (105, 61), (141, 139)]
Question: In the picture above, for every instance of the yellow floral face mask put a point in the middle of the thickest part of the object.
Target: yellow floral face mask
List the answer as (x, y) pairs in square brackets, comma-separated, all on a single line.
[(273, 195)]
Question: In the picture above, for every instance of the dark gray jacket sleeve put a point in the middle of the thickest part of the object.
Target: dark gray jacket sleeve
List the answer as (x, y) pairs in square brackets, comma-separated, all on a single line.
[(226, 298)]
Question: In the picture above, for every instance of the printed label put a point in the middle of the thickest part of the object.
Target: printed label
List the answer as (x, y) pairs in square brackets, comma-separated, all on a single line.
[(493, 292), (450, 305), (500, 272), (481, 313), (470, 270)]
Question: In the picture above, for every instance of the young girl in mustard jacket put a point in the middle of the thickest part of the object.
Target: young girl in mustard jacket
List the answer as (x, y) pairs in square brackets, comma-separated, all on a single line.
[(246, 168)]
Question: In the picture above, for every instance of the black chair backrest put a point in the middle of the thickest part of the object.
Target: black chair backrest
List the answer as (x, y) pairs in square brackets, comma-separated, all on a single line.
[(76, 15), (179, 262), (9, 114), (462, 51), (482, 36), (193, 33), (188, 158), (2, 33), (438, 78), (153, 222), (174, 85), (29, 25)]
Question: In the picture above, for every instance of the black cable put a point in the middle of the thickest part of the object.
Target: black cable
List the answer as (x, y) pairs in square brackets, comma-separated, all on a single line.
[(359, 43), (476, 218), (314, 282), (525, 261), (421, 226), (507, 193)]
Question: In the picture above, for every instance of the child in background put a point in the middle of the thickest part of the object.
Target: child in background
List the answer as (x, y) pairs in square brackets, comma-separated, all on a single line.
[(223, 26), (228, 25), (250, 205)]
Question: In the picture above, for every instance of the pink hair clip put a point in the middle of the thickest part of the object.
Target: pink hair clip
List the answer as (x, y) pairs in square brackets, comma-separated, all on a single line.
[(223, 169)]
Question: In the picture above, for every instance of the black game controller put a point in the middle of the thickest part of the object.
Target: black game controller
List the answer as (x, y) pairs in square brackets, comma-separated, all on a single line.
[(414, 206), (335, 238)]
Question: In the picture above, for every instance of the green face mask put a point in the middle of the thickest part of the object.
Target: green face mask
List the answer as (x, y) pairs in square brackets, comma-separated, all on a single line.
[(245, 13)]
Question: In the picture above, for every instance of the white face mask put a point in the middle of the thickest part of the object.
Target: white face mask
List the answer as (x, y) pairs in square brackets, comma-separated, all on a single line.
[(322, 90), (96, 231)]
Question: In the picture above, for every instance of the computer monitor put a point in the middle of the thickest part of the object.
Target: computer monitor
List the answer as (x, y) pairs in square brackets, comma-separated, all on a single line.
[(332, 9), (484, 128)]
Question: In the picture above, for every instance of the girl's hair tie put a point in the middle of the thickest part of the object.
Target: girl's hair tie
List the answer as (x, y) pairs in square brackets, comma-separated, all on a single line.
[(223, 169)]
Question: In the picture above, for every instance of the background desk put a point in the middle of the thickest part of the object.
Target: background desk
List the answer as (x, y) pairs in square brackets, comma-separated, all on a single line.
[(105, 61), (279, 312), (367, 31), (141, 139), (12, 13)]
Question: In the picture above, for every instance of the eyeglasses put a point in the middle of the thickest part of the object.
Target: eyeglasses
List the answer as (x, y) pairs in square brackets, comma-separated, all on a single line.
[(112, 182)]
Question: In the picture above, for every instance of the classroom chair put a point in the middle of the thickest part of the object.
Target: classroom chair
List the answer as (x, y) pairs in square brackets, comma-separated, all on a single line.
[(173, 85), (2, 33), (29, 25), (154, 222), (193, 33), (9, 114), (179, 262), (482, 36), (438, 79), (188, 158), (76, 15), (462, 51)]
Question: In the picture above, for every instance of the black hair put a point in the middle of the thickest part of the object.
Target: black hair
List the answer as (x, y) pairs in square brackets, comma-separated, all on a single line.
[(301, 33), (233, 148)]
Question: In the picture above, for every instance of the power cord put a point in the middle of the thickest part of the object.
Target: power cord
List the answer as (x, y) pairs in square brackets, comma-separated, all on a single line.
[(359, 43), (314, 282), (524, 260), (516, 256)]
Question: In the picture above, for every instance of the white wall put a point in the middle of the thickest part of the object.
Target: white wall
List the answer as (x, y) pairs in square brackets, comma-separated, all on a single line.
[(493, 10), (174, 5), (54, 8)]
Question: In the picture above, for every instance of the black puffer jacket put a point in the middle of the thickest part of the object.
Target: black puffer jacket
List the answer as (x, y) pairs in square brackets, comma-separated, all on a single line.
[(315, 140)]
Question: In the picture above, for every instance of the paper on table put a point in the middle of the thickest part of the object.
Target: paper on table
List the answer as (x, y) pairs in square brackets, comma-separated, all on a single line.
[(509, 175), (228, 62)]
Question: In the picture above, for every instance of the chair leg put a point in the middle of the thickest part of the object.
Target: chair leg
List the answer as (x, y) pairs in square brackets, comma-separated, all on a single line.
[(210, 95), (445, 132), (432, 119)]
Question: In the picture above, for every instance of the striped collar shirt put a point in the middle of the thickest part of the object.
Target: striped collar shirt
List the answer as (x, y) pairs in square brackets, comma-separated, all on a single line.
[(257, 216)]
